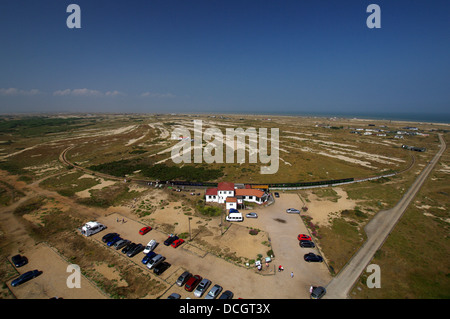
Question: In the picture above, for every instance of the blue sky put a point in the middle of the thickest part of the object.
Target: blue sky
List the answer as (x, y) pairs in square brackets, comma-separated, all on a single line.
[(225, 56)]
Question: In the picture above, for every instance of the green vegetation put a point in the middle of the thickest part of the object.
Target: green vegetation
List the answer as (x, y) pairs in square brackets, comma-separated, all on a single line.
[(30, 205), (188, 173), (12, 168), (8, 194), (109, 196), (209, 210), (339, 242), (327, 194), (158, 171), (116, 168), (69, 184), (38, 126)]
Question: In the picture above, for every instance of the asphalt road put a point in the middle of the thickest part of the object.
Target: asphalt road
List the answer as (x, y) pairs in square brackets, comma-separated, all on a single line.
[(377, 232)]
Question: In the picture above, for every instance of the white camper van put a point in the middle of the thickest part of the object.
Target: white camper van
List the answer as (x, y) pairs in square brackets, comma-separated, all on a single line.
[(91, 228), (234, 217)]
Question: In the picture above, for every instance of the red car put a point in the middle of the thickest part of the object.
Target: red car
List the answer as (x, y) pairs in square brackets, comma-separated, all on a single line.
[(303, 237), (145, 230), (192, 282), (177, 243)]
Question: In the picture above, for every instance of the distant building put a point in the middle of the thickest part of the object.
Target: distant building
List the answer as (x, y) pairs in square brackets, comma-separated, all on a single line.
[(414, 148)]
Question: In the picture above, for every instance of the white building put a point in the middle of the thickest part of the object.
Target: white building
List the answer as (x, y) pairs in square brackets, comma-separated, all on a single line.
[(232, 197)]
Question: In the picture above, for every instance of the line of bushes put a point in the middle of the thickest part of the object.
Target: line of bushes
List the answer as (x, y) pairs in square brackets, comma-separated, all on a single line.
[(160, 172)]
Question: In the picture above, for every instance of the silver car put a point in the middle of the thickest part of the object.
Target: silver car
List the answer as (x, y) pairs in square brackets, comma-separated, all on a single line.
[(214, 292), (202, 287), (121, 243), (292, 211), (184, 277), (155, 261)]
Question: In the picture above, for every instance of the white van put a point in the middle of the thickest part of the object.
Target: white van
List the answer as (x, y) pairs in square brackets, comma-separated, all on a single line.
[(91, 228), (234, 217), (155, 261), (150, 246)]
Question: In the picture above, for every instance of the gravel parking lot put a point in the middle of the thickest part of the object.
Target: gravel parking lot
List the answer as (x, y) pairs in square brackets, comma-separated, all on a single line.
[(245, 282), (53, 280)]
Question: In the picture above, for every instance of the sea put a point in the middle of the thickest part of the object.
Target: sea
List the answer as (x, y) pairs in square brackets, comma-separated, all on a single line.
[(408, 117)]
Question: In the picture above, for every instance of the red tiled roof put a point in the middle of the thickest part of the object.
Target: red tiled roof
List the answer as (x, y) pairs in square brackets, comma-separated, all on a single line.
[(231, 200), (211, 191), (249, 192), (225, 186)]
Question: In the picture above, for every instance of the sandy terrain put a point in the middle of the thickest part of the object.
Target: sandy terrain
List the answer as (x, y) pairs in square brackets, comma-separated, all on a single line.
[(322, 211), (102, 184)]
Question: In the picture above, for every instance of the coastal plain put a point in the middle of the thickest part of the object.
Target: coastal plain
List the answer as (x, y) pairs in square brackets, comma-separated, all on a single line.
[(60, 171)]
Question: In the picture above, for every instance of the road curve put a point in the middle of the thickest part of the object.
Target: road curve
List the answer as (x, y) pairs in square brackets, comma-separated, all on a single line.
[(377, 230)]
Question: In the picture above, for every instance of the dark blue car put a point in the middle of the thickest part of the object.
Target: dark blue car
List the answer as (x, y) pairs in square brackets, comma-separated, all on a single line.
[(25, 277), (113, 240), (311, 257), (19, 260), (147, 257)]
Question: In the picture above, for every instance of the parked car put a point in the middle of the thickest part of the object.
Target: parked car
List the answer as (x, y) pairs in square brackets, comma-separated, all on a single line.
[(202, 287), (145, 230), (25, 277), (277, 194), (150, 246), (307, 244), (317, 292), (214, 292), (161, 267), (177, 243), (174, 296), (170, 239), (113, 240), (128, 247), (227, 295), (121, 243), (155, 261), (184, 277), (148, 257), (292, 211), (192, 282), (251, 215), (135, 250), (108, 237), (311, 257), (303, 237), (19, 260)]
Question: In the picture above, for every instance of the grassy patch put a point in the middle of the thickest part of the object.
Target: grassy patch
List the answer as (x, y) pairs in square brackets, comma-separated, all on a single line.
[(209, 210), (339, 242), (8, 194), (69, 184), (109, 196), (30, 205), (38, 126), (158, 171)]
